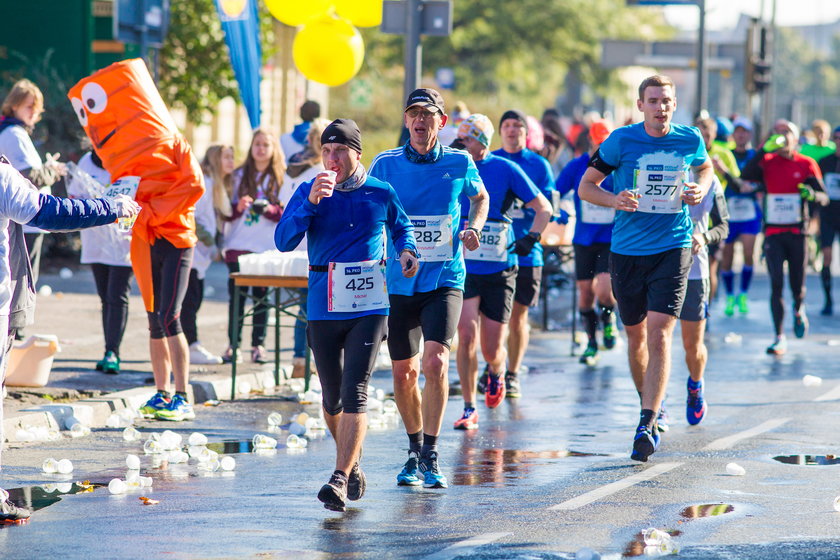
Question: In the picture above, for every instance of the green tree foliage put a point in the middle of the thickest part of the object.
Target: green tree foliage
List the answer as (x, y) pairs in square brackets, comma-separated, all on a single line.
[(524, 49), (195, 71)]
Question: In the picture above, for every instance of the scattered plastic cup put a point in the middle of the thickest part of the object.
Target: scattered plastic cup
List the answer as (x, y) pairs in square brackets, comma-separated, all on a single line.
[(117, 486), (77, 429), (146, 481), (210, 466), (169, 440), (152, 446), (837, 503), (275, 419), (262, 441), (50, 466), (734, 469), (132, 462), (65, 466), (653, 536), (811, 380), (131, 434), (228, 463), (197, 439)]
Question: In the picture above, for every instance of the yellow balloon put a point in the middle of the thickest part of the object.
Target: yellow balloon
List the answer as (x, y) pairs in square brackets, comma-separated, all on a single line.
[(328, 50), (361, 13), (297, 12)]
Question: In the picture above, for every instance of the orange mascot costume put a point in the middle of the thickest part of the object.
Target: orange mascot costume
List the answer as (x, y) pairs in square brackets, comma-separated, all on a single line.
[(133, 133)]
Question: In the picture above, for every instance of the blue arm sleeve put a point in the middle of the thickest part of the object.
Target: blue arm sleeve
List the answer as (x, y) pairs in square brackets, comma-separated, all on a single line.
[(66, 214), (400, 227), (566, 179), (295, 220)]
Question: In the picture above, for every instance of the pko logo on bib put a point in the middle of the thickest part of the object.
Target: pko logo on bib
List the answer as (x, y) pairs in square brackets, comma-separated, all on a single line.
[(418, 223), (350, 270), (655, 168), (655, 177)]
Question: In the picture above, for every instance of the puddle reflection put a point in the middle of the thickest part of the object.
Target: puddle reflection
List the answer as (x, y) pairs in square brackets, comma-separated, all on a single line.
[(810, 460), (34, 498), (706, 510)]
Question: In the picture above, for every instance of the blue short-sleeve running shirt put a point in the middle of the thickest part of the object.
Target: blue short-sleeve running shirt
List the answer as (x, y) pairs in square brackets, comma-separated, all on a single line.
[(538, 170), (657, 166), (506, 184), (593, 224), (430, 194)]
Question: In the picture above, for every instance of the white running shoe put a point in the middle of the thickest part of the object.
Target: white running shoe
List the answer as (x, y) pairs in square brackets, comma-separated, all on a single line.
[(200, 355)]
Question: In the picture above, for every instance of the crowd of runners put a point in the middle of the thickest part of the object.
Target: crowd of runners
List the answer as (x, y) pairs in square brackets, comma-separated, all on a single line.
[(440, 238)]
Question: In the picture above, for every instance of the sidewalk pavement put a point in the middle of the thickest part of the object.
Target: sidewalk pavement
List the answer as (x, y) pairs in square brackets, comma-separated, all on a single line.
[(76, 389)]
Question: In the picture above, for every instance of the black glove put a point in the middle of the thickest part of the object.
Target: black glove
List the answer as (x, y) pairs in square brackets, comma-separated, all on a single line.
[(524, 245)]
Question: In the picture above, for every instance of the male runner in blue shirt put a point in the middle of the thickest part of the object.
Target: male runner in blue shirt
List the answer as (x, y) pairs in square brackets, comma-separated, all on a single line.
[(651, 244), (429, 179)]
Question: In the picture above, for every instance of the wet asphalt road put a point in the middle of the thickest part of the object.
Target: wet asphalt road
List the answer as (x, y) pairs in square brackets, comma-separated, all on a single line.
[(542, 477)]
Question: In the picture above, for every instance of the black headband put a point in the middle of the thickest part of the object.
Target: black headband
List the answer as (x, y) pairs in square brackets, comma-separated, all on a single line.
[(343, 131)]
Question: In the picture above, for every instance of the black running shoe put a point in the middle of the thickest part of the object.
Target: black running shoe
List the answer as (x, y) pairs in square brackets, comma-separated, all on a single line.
[(512, 388), (356, 483), (334, 493)]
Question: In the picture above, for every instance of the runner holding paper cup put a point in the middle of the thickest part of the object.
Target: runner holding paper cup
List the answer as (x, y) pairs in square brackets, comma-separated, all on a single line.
[(323, 186)]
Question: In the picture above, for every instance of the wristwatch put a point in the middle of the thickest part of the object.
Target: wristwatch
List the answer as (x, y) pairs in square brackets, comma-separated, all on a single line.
[(474, 229), (537, 236)]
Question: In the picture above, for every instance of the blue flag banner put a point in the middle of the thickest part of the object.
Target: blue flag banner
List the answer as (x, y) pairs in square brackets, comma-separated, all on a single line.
[(240, 23)]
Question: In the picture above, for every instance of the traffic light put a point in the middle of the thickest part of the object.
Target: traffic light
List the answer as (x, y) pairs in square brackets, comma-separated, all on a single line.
[(759, 57)]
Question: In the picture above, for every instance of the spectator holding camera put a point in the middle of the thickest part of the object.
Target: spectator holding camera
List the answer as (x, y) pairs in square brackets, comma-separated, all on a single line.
[(250, 228)]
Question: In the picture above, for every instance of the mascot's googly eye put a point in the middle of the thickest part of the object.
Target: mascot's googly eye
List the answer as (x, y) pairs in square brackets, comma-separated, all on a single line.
[(79, 109), (94, 98)]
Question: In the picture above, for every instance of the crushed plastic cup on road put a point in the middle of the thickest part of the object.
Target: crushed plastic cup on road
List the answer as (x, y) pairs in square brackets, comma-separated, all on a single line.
[(117, 486), (734, 469), (275, 419), (197, 439), (65, 466), (210, 466), (228, 463), (77, 429), (837, 503), (131, 434), (132, 462), (169, 440), (654, 536), (152, 446), (176, 456), (114, 421), (262, 441), (295, 442), (132, 479), (50, 466), (732, 338), (811, 380), (146, 482), (195, 451)]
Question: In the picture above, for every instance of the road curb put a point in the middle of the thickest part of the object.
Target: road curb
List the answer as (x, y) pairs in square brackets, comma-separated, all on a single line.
[(94, 412)]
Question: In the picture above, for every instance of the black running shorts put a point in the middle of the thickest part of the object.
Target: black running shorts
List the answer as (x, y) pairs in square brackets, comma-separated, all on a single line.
[(591, 260), (431, 315), (643, 283), (696, 305), (495, 291), (528, 281)]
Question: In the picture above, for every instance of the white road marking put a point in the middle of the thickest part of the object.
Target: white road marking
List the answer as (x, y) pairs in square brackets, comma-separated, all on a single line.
[(466, 546), (832, 395), (729, 441), (613, 487)]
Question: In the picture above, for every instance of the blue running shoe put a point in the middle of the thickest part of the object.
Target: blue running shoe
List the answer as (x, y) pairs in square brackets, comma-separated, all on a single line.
[(695, 408), (409, 475), (800, 323), (432, 477), (644, 444), (663, 421), (154, 405), (177, 410)]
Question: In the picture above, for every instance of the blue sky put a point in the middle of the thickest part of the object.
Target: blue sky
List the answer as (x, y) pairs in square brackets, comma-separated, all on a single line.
[(721, 14)]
